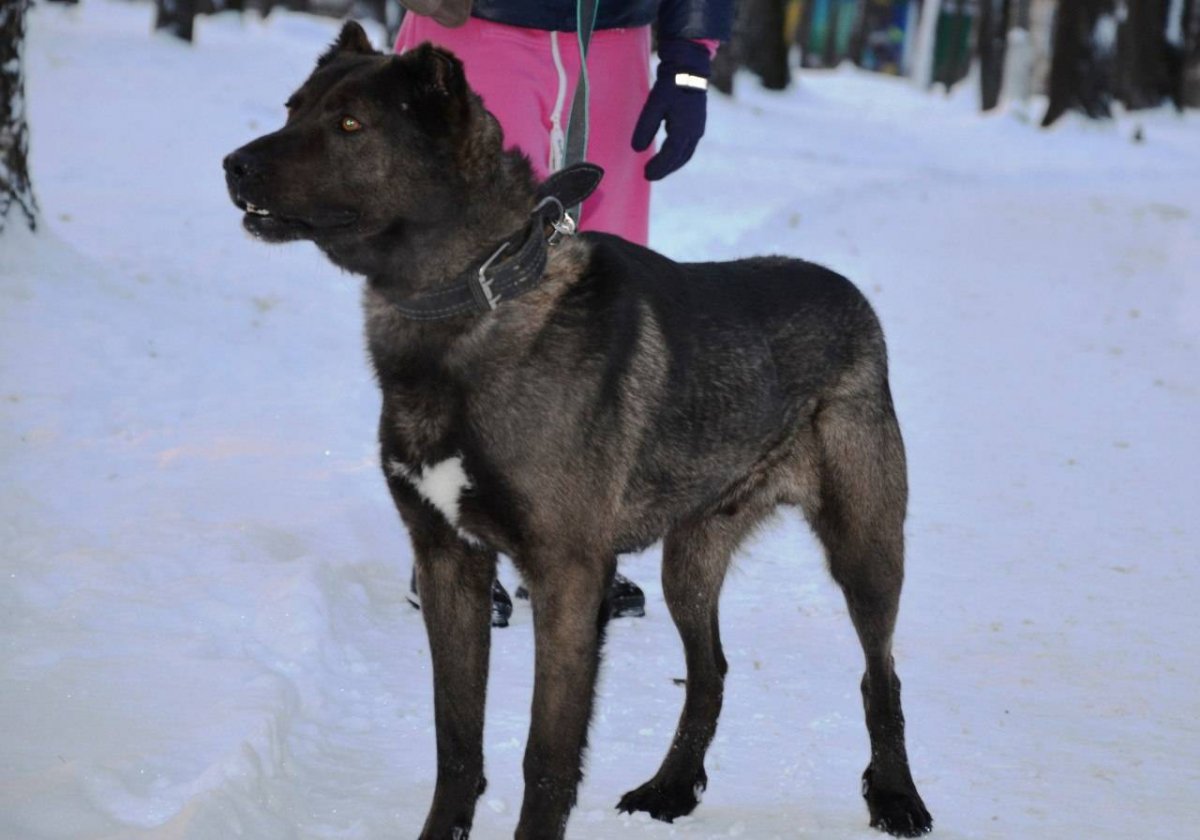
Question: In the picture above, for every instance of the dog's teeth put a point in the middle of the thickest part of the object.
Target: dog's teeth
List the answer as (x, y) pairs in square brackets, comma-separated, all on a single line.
[(258, 211)]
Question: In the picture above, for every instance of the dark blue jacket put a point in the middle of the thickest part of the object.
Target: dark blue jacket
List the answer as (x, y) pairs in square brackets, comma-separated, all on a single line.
[(676, 18)]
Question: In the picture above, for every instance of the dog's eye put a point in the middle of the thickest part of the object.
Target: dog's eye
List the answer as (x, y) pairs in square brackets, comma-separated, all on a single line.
[(349, 124)]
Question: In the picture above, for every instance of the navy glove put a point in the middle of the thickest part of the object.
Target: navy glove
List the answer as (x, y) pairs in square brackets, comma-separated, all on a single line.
[(679, 97)]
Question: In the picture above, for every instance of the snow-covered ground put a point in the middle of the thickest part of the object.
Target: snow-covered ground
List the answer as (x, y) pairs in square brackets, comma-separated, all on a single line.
[(202, 625)]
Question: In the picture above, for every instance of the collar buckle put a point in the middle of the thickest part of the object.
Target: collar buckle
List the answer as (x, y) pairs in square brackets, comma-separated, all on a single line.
[(562, 228), (563, 223), (484, 283)]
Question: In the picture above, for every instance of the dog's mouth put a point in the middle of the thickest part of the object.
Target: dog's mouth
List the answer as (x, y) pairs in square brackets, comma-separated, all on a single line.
[(269, 224), (257, 211)]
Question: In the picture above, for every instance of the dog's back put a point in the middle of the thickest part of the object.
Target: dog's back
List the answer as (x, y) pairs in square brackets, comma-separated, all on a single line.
[(748, 353), (777, 331)]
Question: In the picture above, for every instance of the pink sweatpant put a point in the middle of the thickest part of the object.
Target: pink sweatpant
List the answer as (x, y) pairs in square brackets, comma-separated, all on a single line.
[(527, 80)]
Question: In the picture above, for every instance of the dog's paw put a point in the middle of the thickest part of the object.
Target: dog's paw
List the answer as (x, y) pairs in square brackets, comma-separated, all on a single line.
[(663, 802), (900, 813)]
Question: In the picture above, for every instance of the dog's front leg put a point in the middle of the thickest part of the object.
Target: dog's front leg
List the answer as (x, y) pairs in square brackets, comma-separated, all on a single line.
[(568, 593), (455, 581)]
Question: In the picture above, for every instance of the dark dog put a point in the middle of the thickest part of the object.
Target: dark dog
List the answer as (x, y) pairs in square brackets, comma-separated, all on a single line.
[(564, 399)]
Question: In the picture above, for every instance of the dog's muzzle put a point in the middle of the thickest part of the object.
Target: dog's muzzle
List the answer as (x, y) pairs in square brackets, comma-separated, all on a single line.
[(246, 179), (242, 175)]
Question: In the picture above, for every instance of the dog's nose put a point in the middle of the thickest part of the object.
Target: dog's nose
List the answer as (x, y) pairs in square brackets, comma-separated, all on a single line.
[(238, 166)]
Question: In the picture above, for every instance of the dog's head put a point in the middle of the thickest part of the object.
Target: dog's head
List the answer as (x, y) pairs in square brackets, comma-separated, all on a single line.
[(371, 141)]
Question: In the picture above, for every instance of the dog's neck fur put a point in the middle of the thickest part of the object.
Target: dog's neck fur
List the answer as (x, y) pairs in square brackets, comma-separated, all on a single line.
[(491, 197)]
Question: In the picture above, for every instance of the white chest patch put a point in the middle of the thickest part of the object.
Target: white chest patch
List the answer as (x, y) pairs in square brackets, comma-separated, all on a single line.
[(441, 484)]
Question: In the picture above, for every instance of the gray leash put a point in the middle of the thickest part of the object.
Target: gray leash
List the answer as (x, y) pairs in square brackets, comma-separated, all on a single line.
[(577, 125)]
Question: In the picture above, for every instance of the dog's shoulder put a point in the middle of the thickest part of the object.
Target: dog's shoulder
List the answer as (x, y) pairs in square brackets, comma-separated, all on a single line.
[(698, 294)]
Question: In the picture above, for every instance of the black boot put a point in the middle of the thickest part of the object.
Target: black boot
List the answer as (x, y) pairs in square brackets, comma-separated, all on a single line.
[(501, 603), (624, 596)]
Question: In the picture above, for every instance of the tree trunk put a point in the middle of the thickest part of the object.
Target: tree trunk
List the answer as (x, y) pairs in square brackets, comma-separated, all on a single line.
[(1189, 72), (1183, 52), (993, 41), (765, 51), (1081, 71), (177, 17), (1143, 79), (759, 43), (16, 190)]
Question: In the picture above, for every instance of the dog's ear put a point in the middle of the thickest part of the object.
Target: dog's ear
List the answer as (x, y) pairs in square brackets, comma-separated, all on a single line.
[(352, 39), (436, 72), (432, 85)]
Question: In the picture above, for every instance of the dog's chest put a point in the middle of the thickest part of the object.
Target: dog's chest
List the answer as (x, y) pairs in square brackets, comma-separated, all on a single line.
[(441, 484)]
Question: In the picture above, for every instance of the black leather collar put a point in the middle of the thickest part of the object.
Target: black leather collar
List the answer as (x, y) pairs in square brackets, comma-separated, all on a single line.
[(515, 265)]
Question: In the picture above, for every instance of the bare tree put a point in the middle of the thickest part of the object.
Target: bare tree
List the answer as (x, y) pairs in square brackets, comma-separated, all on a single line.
[(16, 190), (759, 43), (178, 17), (766, 52), (1143, 73), (1183, 27), (1182, 35), (993, 43), (1085, 37)]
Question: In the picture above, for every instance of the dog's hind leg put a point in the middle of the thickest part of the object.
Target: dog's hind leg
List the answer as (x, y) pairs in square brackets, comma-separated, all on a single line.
[(455, 584), (695, 558), (860, 520), (568, 591)]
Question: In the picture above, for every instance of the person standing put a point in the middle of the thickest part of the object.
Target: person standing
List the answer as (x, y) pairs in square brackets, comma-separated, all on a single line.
[(523, 58)]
